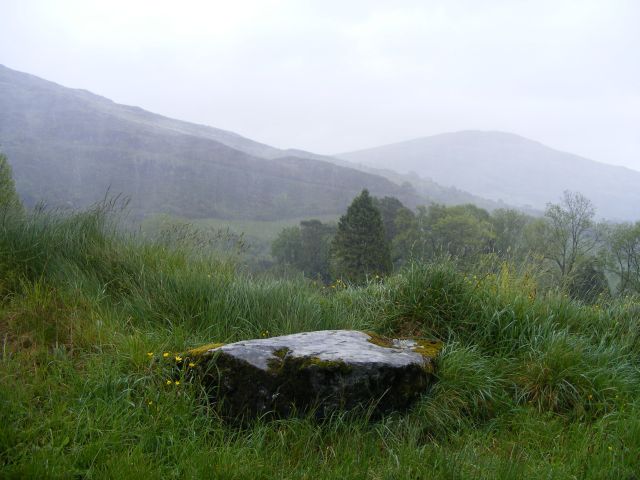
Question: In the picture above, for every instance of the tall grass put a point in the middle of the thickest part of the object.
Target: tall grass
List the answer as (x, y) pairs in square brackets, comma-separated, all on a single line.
[(530, 383)]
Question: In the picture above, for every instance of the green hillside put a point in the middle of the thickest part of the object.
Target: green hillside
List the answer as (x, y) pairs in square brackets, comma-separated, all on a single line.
[(68, 147)]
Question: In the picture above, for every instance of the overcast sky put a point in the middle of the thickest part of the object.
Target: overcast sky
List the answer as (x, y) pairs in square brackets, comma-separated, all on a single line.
[(332, 76)]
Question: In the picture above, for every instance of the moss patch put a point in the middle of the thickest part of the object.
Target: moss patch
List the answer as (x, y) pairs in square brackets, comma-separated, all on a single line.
[(279, 363), (330, 365), (428, 348), (281, 352), (194, 352), (379, 340), (276, 362)]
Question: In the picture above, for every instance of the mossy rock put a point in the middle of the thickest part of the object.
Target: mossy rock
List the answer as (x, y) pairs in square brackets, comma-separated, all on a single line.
[(321, 372)]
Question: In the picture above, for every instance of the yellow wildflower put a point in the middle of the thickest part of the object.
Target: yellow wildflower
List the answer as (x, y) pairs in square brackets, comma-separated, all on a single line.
[(165, 354), (177, 382), (178, 358), (191, 364), (149, 354), (169, 382)]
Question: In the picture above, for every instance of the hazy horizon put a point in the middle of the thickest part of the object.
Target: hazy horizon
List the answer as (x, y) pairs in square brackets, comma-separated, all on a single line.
[(332, 78)]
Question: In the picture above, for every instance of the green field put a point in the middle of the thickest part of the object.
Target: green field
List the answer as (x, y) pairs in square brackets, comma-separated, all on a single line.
[(256, 234), (530, 385)]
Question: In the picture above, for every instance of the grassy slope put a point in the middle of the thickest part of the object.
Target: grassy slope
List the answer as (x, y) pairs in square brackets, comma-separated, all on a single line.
[(256, 236), (68, 147), (261, 231), (529, 387)]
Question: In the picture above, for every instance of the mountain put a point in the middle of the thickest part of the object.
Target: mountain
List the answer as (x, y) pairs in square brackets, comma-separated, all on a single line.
[(507, 167), (431, 191), (68, 147)]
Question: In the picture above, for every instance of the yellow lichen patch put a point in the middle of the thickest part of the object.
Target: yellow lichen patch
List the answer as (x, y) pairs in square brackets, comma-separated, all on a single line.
[(428, 348), (281, 352), (327, 364), (194, 352), (379, 340)]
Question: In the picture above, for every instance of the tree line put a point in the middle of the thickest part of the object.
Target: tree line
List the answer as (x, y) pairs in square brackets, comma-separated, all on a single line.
[(584, 257)]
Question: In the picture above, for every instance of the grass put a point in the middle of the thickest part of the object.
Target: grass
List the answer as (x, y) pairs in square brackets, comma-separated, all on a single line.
[(530, 384), (256, 236)]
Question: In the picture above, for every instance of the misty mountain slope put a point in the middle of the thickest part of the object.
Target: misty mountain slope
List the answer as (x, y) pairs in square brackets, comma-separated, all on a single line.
[(504, 166), (425, 187), (67, 147)]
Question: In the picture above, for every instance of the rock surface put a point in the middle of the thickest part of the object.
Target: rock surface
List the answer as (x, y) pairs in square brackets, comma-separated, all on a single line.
[(321, 371)]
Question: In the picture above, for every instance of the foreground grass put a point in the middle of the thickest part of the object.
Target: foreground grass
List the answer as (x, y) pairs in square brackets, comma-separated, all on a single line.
[(529, 385)]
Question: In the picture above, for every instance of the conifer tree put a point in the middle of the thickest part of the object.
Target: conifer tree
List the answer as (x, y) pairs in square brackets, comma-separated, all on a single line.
[(8, 195), (360, 248)]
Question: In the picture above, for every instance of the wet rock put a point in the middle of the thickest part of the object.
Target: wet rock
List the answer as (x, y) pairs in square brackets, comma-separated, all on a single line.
[(321, 371)]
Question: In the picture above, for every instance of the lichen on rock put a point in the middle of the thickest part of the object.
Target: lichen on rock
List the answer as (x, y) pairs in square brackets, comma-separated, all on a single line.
[(320, 371), (203, 349)]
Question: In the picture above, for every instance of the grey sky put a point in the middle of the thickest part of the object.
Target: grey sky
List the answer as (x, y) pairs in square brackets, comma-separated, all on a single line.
[(331, 76)]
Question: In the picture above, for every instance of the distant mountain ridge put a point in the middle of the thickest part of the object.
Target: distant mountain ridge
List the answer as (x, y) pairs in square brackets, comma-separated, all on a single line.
[(511, 168), (431, 191), (69, 146)]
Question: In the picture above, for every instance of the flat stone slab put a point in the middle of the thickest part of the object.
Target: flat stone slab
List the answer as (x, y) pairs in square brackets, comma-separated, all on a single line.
[(321, 371)]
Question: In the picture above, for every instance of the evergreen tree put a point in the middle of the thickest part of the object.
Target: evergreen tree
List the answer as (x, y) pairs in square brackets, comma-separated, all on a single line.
[(360, 248), (8, 196)]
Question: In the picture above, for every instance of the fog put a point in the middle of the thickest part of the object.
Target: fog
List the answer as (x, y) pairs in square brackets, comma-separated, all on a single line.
[(329, 77)]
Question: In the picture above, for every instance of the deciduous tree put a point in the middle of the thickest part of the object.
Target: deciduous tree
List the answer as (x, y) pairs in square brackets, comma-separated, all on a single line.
[(567, 234), (623, 252)]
